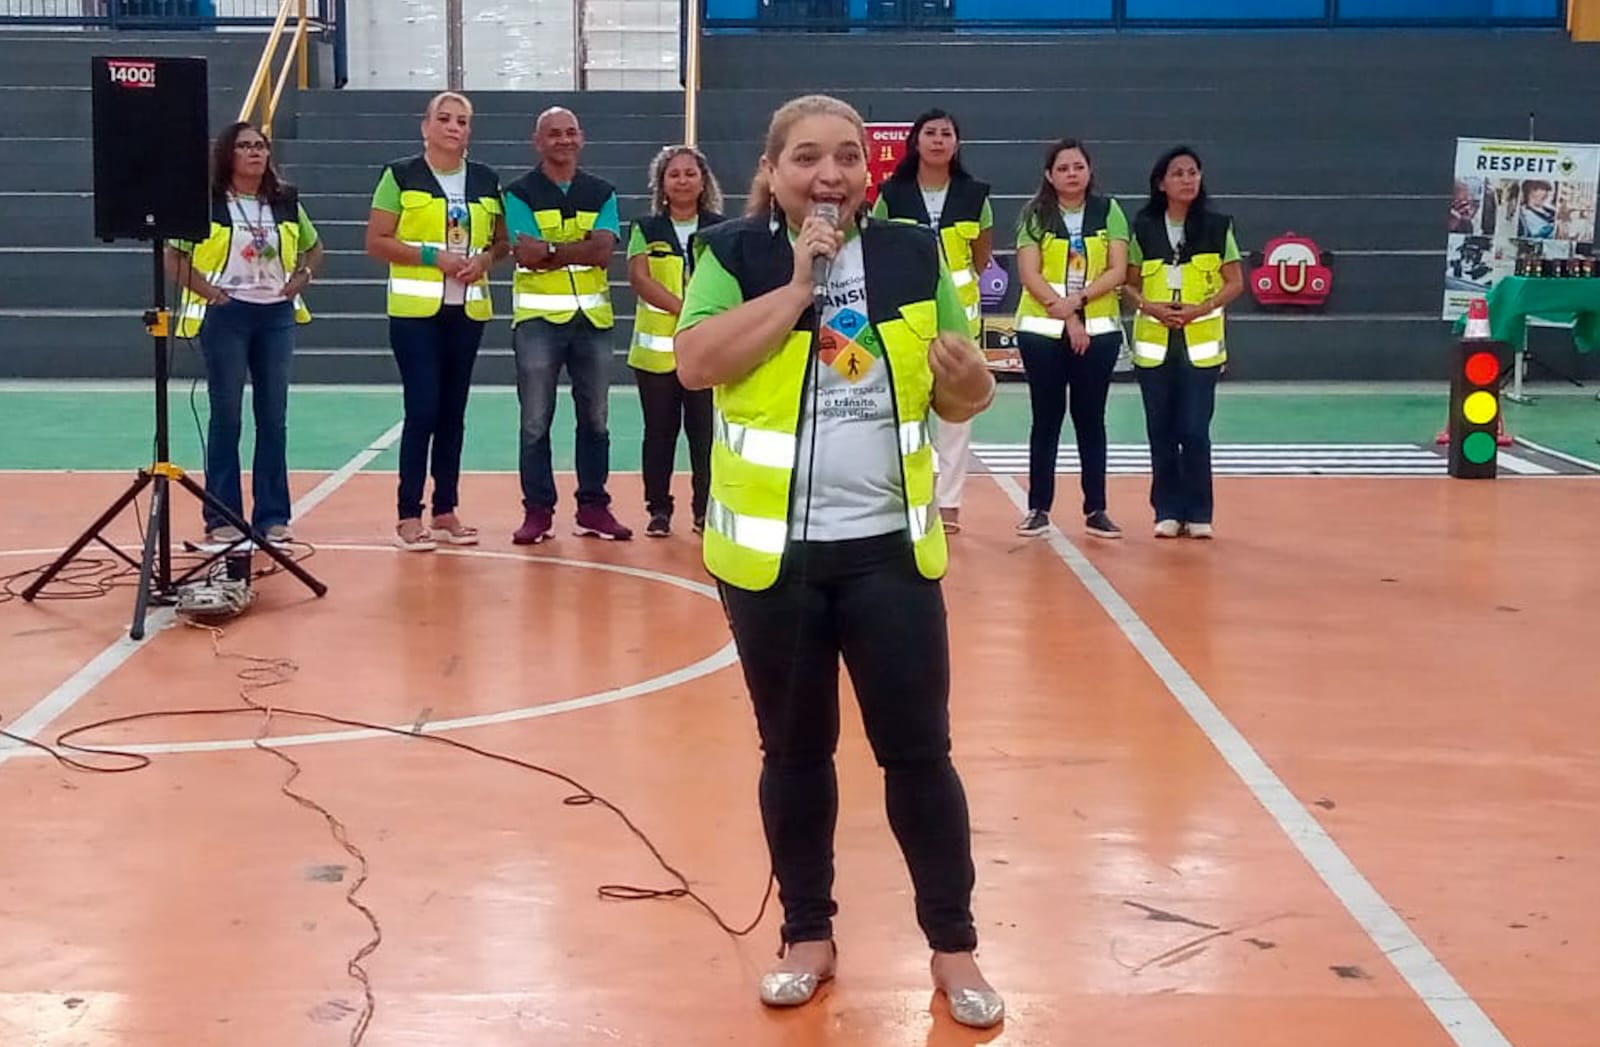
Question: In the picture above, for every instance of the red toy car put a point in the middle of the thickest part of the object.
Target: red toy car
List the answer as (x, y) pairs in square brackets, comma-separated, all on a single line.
[(1292, 270)]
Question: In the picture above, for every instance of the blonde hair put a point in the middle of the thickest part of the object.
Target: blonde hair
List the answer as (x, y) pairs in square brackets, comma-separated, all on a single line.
[(710, 191), (447, 96), (783, 121)]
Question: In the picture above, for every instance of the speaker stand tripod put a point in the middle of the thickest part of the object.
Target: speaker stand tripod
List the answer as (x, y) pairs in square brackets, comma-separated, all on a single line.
[(156, 583)]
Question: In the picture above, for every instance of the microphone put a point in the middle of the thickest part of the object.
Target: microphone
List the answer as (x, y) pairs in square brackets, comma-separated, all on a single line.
[(821, 264)]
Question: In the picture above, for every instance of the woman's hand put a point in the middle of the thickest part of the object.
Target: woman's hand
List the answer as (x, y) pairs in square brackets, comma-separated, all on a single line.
[(962, 384), (473, 268), (1077, 335), (817, 237), (449, 263), (298, 281)]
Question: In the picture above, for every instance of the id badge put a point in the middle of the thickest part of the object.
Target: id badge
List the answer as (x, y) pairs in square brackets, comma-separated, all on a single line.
[(1174, 278)]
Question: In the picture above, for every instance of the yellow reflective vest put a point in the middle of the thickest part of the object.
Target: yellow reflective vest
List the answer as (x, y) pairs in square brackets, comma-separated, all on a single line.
[(1099, 314), (418, 290), (557, 295), (959, 228), (653, 328), (1199, 275), (210, 257), (755, 447)]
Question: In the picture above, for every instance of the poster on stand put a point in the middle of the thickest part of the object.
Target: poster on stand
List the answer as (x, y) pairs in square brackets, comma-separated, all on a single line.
[(886, 145), (1513, 206)]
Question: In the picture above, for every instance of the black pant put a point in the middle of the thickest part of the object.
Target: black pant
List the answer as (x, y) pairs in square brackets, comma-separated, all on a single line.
[(865, 600), (436, 355), (666, 404), (1179, 399), (1053, 369)]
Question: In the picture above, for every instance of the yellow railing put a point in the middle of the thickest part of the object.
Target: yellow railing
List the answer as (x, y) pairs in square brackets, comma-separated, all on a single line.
[(691, 75), (260, 107)]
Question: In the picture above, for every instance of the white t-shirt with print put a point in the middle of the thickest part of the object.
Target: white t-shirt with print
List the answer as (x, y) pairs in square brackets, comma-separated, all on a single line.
[(1077, 253), (854, 486), (457, 227), (254, 272), (933, 200)]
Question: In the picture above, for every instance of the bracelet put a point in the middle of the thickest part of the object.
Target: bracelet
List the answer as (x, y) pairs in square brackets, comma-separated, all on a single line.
[(430, 254)]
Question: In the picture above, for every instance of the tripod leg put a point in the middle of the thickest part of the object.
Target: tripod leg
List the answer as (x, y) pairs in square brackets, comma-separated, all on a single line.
[(278, 555), (87, 536), (152, 537)]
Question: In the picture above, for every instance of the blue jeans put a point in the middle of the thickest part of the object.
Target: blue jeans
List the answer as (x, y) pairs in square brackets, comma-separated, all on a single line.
[(542, 349), (240, 338), (1178, 402), (436, 355), (1057, 378)]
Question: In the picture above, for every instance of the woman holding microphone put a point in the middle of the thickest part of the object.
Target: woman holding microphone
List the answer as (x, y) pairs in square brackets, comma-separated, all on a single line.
[(437, 219), (1072, 256), (828, 338), (931, 187)]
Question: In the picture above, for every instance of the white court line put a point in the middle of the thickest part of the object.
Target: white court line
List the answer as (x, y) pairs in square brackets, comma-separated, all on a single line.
[(714, 662), (1570, 459), (102, 665), (1460, 1015)]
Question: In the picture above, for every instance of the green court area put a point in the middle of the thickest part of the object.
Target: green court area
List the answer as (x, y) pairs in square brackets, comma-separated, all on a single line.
[(98, 425)]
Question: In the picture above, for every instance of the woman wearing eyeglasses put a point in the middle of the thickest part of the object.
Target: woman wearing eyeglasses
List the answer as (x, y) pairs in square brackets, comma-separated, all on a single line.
[(241, 295)]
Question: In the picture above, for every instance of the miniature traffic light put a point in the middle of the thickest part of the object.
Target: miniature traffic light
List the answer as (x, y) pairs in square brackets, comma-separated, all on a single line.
[(1475, 409)]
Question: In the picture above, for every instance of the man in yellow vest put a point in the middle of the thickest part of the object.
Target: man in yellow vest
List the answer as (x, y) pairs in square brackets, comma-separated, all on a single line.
[(563, 225)]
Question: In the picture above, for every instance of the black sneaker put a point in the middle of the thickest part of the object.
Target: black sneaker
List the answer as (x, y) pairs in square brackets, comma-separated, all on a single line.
[(1100, 525), (700, 525), (660, 526), (1037, 522)]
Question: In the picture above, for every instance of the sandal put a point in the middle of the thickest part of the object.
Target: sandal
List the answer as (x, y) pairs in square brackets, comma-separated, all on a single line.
[(421, 541), (460, 534)]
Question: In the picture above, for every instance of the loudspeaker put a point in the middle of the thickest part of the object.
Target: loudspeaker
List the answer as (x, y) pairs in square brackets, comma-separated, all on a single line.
[(151, 142)]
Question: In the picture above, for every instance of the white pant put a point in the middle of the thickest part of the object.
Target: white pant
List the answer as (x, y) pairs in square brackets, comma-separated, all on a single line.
[(952, 445)]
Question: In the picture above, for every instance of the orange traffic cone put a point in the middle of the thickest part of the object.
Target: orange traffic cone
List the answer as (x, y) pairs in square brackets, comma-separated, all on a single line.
[(1477, 320)]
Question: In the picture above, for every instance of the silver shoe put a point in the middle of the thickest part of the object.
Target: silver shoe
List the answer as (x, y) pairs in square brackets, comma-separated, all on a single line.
[(789, 988), (793, 988), (977, 1008)]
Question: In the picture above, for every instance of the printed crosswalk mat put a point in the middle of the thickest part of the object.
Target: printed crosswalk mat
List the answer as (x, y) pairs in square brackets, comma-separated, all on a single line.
[(1328, 459)]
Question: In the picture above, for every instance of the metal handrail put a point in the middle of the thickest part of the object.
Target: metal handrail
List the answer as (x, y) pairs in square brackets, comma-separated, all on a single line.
[(299, 55), (691, 79)]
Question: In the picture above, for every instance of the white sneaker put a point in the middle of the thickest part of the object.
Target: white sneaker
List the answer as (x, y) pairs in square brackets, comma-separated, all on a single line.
[(1168, 528), (1198, 530), (224, 535)]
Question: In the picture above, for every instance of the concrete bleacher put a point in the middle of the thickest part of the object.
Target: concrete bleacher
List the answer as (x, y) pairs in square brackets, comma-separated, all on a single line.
[(1346, 137)]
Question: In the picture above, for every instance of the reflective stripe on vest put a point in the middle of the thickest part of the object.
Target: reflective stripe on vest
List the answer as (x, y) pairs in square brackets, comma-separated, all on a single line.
[(768, 447)]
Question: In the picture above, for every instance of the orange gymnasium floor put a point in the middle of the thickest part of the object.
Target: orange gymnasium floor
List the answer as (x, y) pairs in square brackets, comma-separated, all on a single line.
[(1331, 780)]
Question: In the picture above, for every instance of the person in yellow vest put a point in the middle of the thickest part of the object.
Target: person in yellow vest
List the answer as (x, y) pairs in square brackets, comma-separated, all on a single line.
[(241, 295), (564, 226), (684, 198), (437, 220), (1072, 258), (1184, 270), (822, 530), (930, 186)]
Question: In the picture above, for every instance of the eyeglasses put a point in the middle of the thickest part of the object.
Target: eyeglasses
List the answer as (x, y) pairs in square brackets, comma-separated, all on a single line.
[(252, 147)]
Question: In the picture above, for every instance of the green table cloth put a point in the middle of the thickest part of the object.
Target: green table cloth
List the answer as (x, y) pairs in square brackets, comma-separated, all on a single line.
[(1563, 300)]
